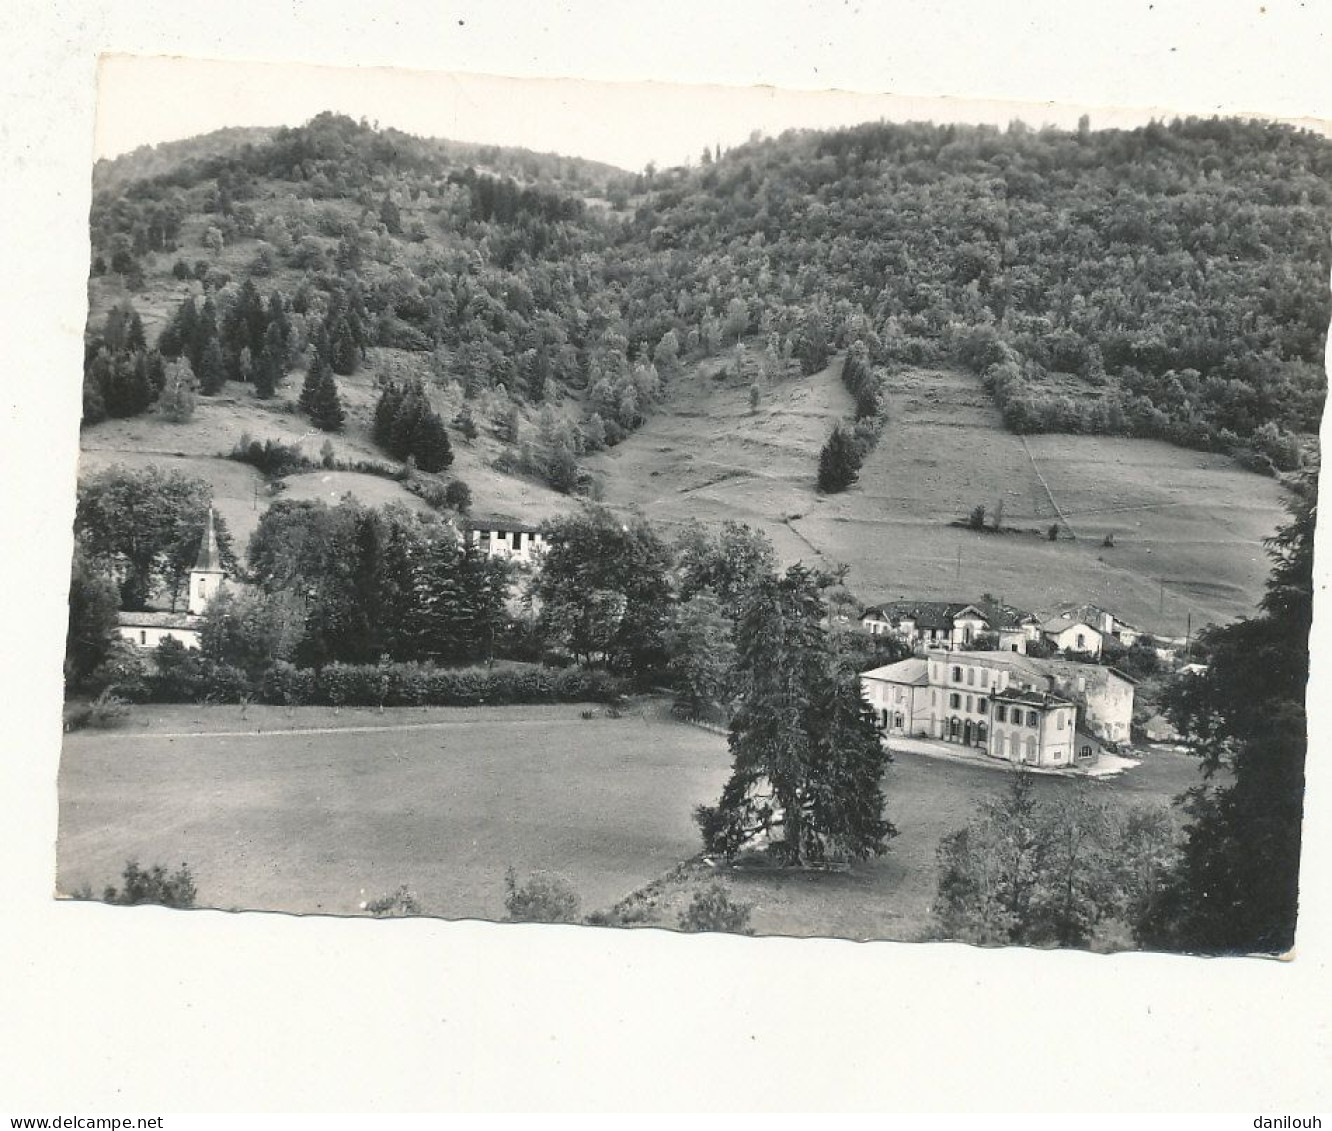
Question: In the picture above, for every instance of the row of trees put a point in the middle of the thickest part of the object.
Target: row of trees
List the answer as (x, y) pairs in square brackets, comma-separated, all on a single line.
[(847, 448)]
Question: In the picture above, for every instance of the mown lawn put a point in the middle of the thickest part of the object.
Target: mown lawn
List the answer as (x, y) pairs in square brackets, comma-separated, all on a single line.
[(316, 811), (319, 822)]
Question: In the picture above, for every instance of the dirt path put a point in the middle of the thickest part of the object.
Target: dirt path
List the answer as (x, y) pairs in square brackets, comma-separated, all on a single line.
[(387, 728)]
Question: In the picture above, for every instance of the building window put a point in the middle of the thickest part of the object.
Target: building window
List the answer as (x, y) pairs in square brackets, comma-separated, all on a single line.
[(143, 638), (1082, 642), (1031, 718), (518, 540), (900, 722), (985, 677), (971, 677), (1086, 752), (954, 700), (885, 718), (982, 733), (957, 675), (1059, 722), (203, 584), (1001, 713), (969, 707)]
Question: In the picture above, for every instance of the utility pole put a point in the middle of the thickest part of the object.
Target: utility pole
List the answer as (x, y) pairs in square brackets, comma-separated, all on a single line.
[(959, 563)]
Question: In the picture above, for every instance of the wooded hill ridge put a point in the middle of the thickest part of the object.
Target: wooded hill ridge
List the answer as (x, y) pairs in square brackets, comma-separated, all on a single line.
[(1169, 281)]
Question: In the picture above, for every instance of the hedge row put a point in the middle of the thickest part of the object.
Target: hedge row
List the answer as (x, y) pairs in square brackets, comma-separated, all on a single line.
[(417, 685), (372, 685)]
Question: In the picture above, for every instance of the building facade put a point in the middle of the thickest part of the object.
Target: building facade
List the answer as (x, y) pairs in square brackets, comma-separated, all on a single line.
[(506, 538), (1000, 703), (951, 625)]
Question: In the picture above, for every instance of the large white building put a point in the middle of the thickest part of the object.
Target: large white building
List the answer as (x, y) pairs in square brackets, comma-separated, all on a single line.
[(1003, 703)]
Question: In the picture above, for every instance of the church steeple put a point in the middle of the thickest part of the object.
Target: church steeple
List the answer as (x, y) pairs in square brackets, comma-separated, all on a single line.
[(207, 575)]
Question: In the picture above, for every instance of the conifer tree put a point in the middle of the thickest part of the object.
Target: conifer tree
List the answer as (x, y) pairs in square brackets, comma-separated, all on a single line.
[(807, 763), (310, 386), (839, 462), (213, 369), (431, 445), (326, 411)]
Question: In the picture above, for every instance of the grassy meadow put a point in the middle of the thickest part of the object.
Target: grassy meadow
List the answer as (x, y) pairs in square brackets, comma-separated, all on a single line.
[(1187, 526), (317, 811)]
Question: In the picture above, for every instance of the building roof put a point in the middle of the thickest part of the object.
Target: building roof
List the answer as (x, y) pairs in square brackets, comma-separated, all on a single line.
[(1009, 661), (1096, 673), (1000, 615), (1064, 623), (941, 614), (210, 556), (151, 618), (1092, 613), (1031, 698), (912, 670), (926, 614), (500, 523)]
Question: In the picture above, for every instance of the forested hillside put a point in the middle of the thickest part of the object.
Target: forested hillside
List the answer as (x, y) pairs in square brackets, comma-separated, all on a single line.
[(1166, 282)]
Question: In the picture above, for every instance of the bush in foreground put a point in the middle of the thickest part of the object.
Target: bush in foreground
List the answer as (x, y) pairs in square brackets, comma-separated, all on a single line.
[(542, 898), (712, 909)]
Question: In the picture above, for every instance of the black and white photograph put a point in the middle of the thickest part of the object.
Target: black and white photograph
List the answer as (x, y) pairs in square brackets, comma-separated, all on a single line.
[(594, 559), (898, 529)]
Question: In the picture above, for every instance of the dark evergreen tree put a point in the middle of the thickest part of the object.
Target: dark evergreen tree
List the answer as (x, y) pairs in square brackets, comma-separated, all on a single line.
[(326, 411), (807, 762), (431, 446), (839, 462), (213, 369), (314, 376)]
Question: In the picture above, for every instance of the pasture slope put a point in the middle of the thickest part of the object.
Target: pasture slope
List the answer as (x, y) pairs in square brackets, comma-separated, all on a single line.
[(1188, 526)]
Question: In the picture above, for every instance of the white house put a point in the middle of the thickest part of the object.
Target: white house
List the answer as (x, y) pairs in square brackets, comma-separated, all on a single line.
[(506, 538), (1071, 634), (148, 628), (998, 702), (1105, 622)]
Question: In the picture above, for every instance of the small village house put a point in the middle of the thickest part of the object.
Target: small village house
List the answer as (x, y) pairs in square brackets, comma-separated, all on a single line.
[(1105, 622), (506, 538), (149, 627), (1071, 634)]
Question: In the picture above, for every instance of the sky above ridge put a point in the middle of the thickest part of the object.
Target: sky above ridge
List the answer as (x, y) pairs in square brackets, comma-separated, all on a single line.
[(147, 100)]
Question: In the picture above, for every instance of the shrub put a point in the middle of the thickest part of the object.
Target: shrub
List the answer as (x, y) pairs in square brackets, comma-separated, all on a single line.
[(395, 904), (103, 713), (712, 909), (153, 886), (287, 685), (543, 898)]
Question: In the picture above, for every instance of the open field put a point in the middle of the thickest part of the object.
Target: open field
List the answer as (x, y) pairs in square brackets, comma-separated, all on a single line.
[(321, 821), (314, 811), (1187, 526)]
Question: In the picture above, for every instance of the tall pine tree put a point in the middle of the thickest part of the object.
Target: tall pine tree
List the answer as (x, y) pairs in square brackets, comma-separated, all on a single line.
[(807, 762), (326, 411)]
